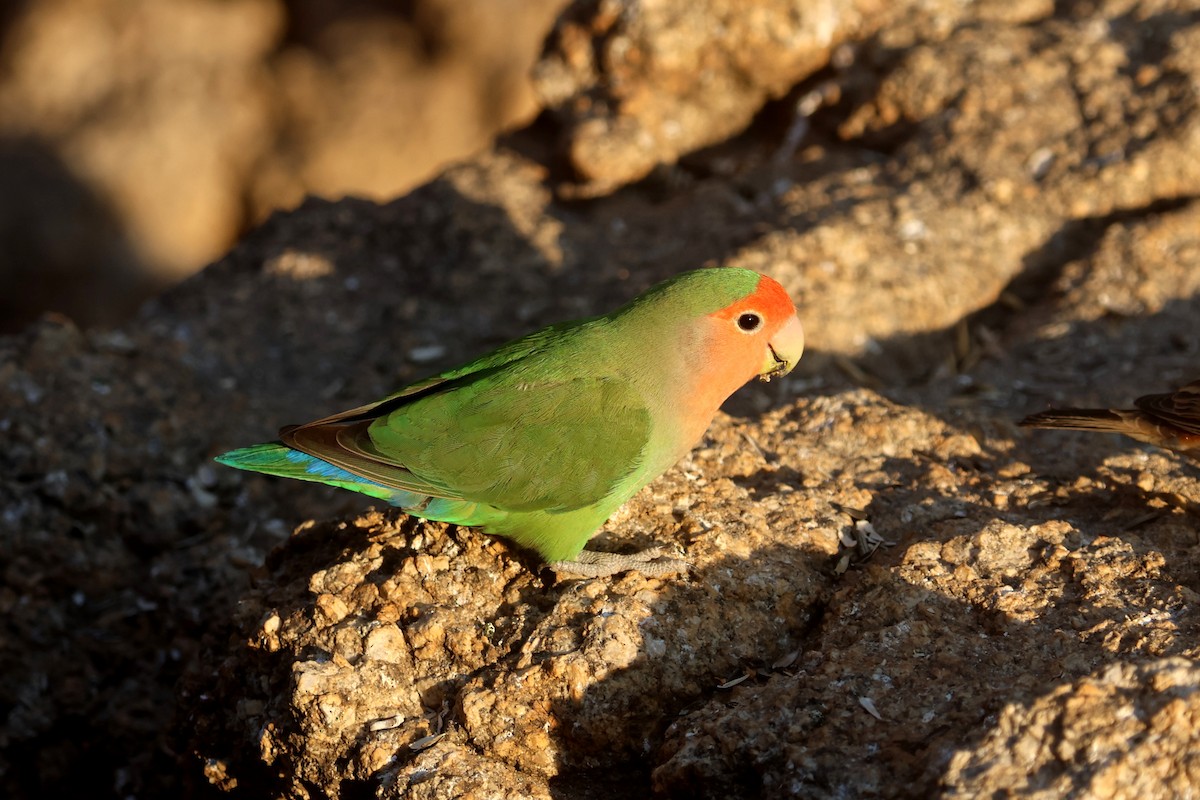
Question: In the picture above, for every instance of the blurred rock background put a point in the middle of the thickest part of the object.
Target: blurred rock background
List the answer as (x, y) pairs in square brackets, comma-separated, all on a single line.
[(140, 138)]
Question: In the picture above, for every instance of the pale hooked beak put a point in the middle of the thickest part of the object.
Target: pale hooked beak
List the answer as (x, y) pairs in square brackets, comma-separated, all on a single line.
[(783, 350)]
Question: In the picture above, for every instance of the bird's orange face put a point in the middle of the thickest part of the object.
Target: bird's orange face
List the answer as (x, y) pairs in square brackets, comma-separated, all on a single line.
[(762, 329), (758, 335)]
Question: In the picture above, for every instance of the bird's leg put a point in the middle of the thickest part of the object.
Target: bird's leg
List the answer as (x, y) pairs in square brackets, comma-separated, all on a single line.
[(652, 562)]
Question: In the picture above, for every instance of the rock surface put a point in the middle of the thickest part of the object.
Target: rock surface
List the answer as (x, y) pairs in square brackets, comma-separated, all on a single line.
[(635, 85), (1128, 731), (895, 592)]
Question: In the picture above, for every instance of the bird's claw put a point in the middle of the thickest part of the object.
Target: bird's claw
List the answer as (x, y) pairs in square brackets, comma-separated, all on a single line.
[(651, 562)]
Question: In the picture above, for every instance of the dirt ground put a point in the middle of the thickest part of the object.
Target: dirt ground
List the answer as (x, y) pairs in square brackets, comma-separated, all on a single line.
[(980, 210)]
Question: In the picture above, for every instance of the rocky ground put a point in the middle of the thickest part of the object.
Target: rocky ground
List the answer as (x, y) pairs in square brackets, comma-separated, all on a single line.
[(981, 210)]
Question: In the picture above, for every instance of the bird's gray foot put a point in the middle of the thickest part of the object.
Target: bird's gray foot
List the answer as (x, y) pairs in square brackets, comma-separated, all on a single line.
[(651, 562)]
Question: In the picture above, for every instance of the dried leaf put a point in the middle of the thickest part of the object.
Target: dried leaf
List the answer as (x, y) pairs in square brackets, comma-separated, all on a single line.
[(783, 662), (426, 742), (869, 705), (386, 723), (734, 682)]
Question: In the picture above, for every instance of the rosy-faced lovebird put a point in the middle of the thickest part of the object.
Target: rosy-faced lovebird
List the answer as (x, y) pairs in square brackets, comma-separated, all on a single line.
[(542, 439)]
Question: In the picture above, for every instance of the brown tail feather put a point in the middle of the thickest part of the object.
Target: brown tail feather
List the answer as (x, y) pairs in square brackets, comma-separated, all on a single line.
[(1084, 419)]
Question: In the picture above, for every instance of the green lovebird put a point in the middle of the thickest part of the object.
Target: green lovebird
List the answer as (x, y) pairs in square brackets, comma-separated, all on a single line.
[(541, 440)]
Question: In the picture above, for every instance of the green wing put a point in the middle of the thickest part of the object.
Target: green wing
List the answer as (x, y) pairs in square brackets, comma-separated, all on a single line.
[(518, 430), (533, 345)]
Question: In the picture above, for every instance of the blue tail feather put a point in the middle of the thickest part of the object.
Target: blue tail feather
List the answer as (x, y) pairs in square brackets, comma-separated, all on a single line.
[(276, 458)]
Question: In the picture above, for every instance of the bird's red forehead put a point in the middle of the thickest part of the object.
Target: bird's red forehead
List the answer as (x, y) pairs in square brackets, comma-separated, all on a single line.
[(768, 298)]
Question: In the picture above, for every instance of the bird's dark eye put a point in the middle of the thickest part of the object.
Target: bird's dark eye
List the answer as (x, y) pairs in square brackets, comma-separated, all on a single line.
[(749, 322)]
